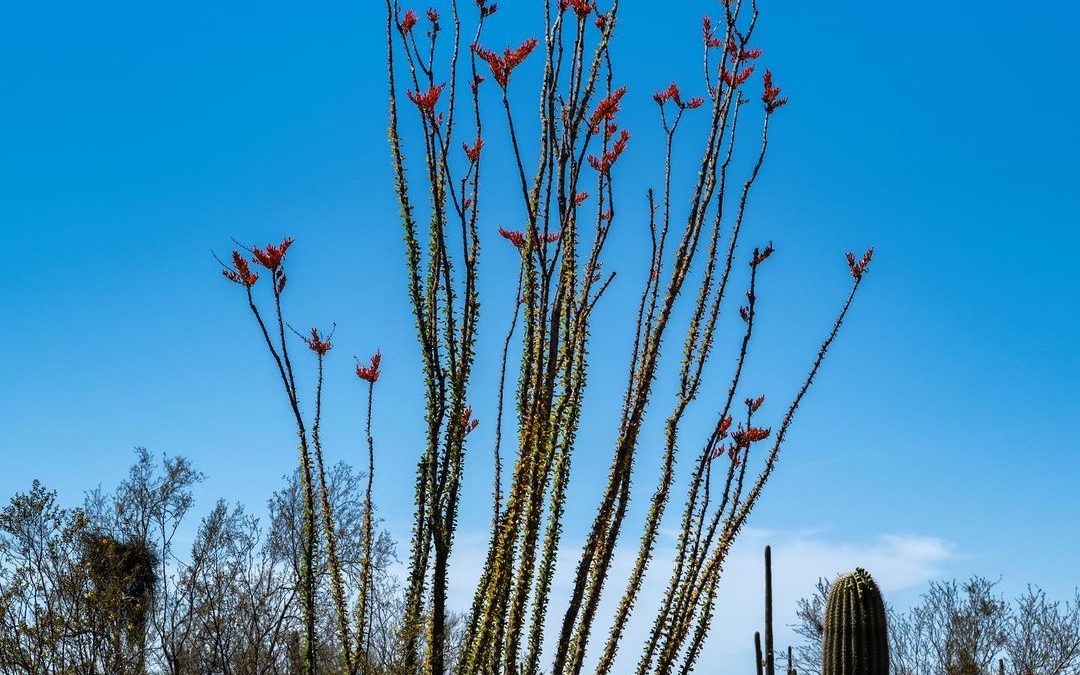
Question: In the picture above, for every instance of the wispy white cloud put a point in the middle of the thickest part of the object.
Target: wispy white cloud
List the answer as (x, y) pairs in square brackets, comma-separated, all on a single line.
[(898, 561)]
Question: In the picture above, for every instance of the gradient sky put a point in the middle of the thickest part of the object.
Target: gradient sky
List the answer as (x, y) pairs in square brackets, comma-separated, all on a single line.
[(940, 440)]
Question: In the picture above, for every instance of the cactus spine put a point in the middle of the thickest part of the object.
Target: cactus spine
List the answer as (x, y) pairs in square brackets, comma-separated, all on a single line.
[(856, 640)]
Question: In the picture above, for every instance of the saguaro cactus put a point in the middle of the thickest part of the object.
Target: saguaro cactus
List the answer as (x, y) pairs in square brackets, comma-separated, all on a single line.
[(856, 639)]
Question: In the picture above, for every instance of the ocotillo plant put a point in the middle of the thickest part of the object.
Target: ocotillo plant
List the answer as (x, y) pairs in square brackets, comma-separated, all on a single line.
[(576, 150), (855, 639), (578, 141), (274, 335)]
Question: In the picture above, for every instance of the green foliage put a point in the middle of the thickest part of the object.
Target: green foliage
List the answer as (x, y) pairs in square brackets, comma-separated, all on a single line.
[(123, 577), (856, 639)]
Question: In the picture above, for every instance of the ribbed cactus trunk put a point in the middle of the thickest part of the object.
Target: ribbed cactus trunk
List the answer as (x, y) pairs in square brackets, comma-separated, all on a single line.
[(856, 640)]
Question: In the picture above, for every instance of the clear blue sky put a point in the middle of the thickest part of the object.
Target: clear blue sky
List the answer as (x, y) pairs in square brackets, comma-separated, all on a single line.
[(135, 137)]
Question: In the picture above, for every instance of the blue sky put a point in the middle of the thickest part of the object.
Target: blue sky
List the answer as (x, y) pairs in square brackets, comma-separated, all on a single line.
[(136, 137)]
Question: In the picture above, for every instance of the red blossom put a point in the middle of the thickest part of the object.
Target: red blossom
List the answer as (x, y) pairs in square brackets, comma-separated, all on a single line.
[(432, 15), (502, 65), (744, 313), (744, 437), (707, 33), (606, 109), (601, 21), (466, 203), (486, 9), (518, 238), (407, 22), (241, 274), (761, 255), (581, 7), (754, 403), (580, 198), (427, 100), (725, 424), (513, 236), (271, 256), (473, 153), (672, 93), (370, 372), (733, 455), (665, 95), (317, 343), (468, 424), (858, 269), (607, 215), (736, 51), (771, 95), (604, 162), (736, 79)]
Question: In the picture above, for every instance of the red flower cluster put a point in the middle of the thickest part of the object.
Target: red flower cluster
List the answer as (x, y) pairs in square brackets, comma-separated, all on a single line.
[(432, 15), (672, 94), (468, 424), (242, 273), (771, 96), (318, 344), (736, 52), (604, 162), (744, 313), (518, 238), (514, 237), (859, 268), (725, 424), (754, 403), (606, 109), (407, 22), (370, 373), (580, 198), (744, 437), (735, 79), (426, 101), (581, 7), (761, 255), (708, 33), (486, 9), (473, 153), (502, 66), (271, 256)]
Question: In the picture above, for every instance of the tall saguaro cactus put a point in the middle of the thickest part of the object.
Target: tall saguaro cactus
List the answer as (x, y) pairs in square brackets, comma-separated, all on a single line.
[(770, 651), (856, 638)]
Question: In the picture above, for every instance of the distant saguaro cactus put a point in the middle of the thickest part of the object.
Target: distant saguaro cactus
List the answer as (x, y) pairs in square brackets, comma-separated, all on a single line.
[(856, 640)]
